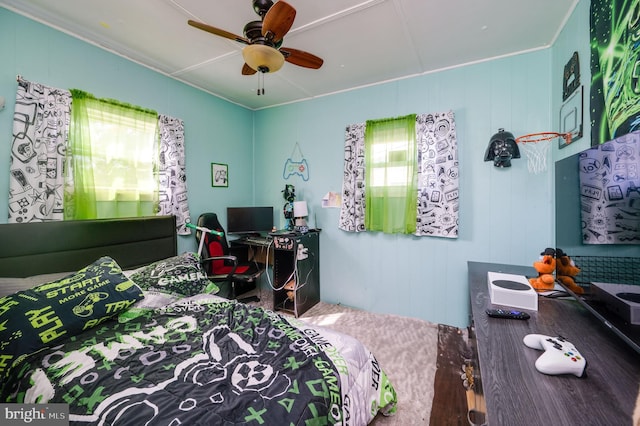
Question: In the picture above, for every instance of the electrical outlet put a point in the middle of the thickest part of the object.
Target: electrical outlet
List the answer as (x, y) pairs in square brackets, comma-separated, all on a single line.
[(303, 252)]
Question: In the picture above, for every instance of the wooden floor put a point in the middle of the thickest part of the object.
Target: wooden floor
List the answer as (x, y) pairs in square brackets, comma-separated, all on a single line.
[(450, 399)]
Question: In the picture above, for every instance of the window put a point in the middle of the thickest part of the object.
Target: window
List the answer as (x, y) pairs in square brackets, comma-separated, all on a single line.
[(122, 153), (393, 172), (391, 175), (389, 164), (114, 154)]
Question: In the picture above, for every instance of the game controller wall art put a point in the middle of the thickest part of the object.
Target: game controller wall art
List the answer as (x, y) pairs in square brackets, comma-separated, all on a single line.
[(610, 191), (296, 165)]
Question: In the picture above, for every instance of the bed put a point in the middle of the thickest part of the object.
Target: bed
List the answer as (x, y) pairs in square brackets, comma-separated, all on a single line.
[(107, 317)]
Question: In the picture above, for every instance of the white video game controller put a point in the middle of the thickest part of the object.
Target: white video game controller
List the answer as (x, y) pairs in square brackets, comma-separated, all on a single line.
[(560, 356)]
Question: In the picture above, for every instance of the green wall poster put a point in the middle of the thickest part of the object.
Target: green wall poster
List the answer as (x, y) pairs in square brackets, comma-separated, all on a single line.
[(615, 69)]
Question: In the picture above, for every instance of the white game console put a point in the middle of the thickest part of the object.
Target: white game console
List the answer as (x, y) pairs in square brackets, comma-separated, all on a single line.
[(512, 290), (622, 299)]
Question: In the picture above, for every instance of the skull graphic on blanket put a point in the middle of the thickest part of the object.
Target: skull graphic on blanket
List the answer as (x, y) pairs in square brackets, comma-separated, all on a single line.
[(205, 367), (194, 381)]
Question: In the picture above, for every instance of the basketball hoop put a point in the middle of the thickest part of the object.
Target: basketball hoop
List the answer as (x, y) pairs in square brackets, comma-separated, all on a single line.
[(536, 148)]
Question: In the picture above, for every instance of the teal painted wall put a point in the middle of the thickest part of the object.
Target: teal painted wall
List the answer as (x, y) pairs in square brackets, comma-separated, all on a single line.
[(506, 215), (212, 129)]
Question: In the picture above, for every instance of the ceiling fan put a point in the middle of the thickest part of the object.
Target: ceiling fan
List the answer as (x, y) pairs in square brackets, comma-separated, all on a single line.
[(264, 51)]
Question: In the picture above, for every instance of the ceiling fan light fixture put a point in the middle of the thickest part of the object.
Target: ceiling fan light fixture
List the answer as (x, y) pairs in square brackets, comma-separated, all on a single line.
[(263, 58)]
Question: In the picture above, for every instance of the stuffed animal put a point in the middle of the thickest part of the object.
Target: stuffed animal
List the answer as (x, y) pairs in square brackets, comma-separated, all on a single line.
[(566, 270), (546, 266), (291, 289)]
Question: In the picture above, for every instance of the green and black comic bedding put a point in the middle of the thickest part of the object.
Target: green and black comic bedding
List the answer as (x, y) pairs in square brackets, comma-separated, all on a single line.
[(89, 340)]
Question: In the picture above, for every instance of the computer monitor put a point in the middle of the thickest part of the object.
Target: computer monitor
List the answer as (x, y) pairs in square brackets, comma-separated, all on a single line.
[(249, 220)]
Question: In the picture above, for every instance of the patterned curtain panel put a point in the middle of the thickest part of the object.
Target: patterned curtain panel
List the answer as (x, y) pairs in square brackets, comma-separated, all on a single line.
[(40, 132), (610, 191), (438, 184), (353, 184), (172, 173)]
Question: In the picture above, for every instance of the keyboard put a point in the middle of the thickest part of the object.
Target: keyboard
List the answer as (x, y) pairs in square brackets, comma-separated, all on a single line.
[(258, 241)]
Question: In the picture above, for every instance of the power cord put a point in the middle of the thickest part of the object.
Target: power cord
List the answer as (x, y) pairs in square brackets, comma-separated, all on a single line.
[(306, 278), (292, 275), (556, 294)]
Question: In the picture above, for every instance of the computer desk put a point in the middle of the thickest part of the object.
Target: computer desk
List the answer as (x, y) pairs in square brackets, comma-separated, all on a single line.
[(247, 250), (295, 273), (515, 393)]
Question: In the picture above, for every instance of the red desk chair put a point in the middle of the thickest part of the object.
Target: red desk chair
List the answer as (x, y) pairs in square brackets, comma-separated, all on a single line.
[(221, 265)]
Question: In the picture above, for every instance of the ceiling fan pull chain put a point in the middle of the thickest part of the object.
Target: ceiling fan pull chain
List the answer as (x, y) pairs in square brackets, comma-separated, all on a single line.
[(260, 90)]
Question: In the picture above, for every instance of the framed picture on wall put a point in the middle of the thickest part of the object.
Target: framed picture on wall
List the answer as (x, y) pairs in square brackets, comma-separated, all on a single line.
[(219, 175)]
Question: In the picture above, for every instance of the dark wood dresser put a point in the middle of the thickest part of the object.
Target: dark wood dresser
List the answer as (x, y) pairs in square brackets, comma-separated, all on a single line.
[(515, 393)]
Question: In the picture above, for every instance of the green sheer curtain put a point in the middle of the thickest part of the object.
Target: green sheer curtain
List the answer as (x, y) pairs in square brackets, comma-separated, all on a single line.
[(113, 160), (391, 175)]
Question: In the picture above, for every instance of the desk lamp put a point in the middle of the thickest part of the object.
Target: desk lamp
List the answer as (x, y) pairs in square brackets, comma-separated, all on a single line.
[(300, 212)]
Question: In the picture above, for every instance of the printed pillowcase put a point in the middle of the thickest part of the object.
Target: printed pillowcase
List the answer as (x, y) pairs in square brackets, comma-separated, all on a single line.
[(43, 315), (168, 280)]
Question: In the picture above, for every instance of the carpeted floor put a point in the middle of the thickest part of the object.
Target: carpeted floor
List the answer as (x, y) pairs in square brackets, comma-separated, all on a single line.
[(406, 348)]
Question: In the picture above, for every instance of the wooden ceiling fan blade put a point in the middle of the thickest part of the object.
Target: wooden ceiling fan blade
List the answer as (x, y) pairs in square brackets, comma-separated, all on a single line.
[(278, 21), (217, 31), (301, 58), (247, 70)]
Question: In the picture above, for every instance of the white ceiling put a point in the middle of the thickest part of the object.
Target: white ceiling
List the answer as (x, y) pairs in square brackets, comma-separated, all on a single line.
[(362, 42)]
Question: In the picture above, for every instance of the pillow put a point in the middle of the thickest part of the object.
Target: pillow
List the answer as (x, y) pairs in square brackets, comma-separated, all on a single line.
[(43, 315), (181, 275), (151, 301), (167, 281)]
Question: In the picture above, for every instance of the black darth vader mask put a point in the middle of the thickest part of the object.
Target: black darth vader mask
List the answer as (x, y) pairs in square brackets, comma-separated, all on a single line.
[(502, 148)]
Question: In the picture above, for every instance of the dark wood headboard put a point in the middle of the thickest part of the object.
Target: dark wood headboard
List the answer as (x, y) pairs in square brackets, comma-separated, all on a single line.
[(28, 249)]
